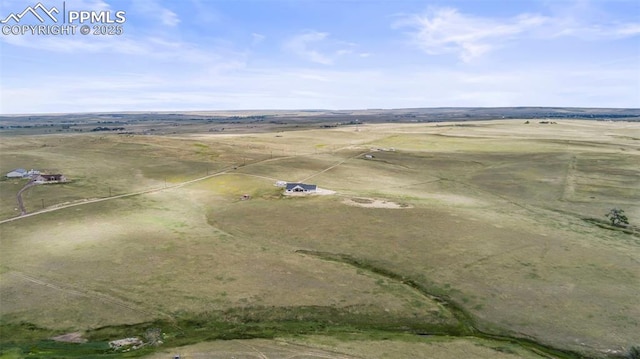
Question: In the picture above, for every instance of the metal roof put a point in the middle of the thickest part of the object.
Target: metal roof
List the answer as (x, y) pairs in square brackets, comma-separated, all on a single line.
[(306, 187)]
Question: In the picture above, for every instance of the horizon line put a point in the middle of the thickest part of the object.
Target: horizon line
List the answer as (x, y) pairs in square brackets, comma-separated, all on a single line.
[(310, 110)]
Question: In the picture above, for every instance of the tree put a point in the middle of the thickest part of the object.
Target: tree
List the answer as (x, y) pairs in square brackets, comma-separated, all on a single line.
[(634, 352), (617, 217)]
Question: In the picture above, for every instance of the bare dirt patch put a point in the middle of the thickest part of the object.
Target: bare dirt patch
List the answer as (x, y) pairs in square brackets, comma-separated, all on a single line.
[(374, 203), (318, 192), (75, 337)]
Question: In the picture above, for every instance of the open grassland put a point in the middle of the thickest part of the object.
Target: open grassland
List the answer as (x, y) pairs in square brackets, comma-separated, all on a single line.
[(489, 235), (103, 166)]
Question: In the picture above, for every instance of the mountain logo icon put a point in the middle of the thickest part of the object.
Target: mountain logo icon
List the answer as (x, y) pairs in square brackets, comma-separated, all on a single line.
[(34, 11)]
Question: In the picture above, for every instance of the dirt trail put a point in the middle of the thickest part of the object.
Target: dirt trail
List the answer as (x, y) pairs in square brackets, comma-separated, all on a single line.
[(333, 166), (570, 180), (87, 201), (29, 184), (165, 188)]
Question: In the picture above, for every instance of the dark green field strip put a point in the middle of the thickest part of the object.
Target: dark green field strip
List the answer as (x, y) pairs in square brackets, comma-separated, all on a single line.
[(27, 340), (629, 229), (237, 323)]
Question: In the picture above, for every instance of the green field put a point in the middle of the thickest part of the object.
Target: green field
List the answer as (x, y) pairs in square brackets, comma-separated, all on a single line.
[(498, 247)]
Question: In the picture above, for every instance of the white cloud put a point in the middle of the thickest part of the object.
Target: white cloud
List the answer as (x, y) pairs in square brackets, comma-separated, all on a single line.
[(204, 12), (448, 31), (596, 32), (445, 30), (301, 45), (149, 47), (257, 38), (169, 18), (75, 44), (153, 9), (318, 47), (136, 48)]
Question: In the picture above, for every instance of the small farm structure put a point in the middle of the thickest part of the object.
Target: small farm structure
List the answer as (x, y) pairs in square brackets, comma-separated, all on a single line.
[(45, 179), (120, 343), (300, 188)]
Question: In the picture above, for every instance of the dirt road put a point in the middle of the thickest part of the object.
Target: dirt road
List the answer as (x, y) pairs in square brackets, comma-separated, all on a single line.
[(30, 184)]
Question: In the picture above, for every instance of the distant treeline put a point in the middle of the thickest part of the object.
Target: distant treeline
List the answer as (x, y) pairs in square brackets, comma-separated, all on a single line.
[(326, 117), (108, 129)]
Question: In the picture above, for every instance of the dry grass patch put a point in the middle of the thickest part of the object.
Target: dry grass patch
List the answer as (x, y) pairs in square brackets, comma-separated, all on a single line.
[(351, 347), (157, 255), (411, 347), (493, 269)]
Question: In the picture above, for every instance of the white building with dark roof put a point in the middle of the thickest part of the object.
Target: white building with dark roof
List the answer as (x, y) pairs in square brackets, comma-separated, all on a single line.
[(300, 188)]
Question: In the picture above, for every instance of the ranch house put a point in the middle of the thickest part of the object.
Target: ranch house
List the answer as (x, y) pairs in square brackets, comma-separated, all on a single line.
[(300, 188)]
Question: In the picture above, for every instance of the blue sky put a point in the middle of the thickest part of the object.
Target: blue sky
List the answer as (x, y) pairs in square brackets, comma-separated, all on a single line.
[(327, 54)]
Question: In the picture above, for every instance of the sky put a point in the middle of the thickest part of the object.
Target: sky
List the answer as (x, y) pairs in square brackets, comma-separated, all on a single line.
[(323, 54)]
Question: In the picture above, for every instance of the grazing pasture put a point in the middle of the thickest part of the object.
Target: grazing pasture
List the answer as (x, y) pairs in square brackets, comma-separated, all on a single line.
[(489, 231)]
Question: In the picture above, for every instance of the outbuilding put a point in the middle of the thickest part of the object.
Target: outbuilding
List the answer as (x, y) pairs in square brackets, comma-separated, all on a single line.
[(17, 173), (55, 178)]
